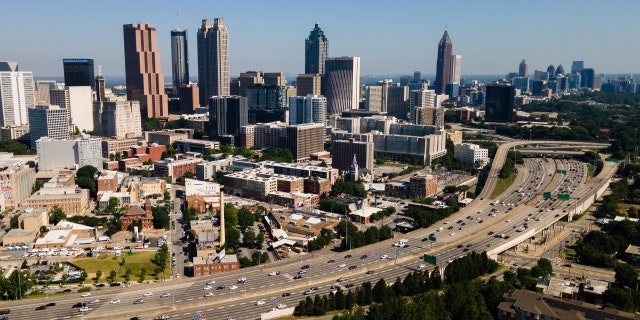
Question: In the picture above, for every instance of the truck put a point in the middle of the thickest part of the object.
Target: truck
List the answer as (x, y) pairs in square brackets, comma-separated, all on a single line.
[(401, 243)]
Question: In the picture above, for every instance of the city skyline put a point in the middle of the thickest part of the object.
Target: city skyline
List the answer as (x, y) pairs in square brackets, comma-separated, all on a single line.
[(492, 37)]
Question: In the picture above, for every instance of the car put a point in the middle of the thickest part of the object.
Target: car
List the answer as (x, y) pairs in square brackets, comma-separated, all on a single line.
[(465, 249), (242, 280), (85, 309), (297, 277), (352, 267), (79, 305), (209, 294), (490, 233), (233, 287), (139, 301), (347, 256), (384, 256), (164, 316), (86, 294), (274, 273), (422, 265), (42, 307), (349, 285), (95, 301), (303, 271), (364, 256), (286, 294), (306, 266), (452, 234), (207, 288), (281, 306), (342, 279), (450, 228), (135, 318), (114, 301), (310, 291), (51, 304), (331, 261), (165, 295), (147, 294), (210, 282), (371, 272), (480, 221), (220, 287), (260, 302), (460, 246), (342, 265)]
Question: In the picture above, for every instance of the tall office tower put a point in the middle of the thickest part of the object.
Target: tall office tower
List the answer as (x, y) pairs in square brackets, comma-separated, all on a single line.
[(213, 60), (8, 66), (120, 119), (577, 66), (540, 75), (227, 115), (274, 79), (145, 80), (445, 63), (559, 70), (386, 97), (588, 78), (405, 80), (551, 70), (80, 108), (429, 116), (452, 89), (523, 69), (78, 72), (420, 98), (456, 68), (417, 77), (267, 97), (16, 96), (100, 88), (307, 109), (521, 83), (47, 121), (247, 80), (308, 84), (343, 151), (341, 84), (316, 51), (179, 59), (302, 139), (499, 102)]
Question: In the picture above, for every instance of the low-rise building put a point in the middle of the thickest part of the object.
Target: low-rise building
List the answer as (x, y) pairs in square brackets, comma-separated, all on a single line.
[(16, 181), (112, 146), (423, 186), (196, 145), (140, 188), (317, 186), (193, 186), (151, 152), (167, 137), (62, 192), (471, 154), (108, 181), (293, 199), (123, 197), (208, 262), (305, 224), (137, 214), (29, 222), (175, 168)]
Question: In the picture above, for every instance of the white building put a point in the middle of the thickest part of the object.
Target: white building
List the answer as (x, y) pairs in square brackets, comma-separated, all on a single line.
[(56, 154), (341, 84), (470, 153), (80, 107), (193, 186), (47, 121), (311, 108), (16, 96), (120, 119)]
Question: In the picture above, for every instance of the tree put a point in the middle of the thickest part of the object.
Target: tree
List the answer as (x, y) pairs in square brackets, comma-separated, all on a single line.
[(385, 233), (98, 275), (620, 298), (626, 275), (112, 275), (278, 155), (143, 274), (83, 275), (245, 217), (249, 238), (161, 219), (15, 220), (259, 240), (232, 238), (64, 279), (230, 215), (56, 215), (192, 235)]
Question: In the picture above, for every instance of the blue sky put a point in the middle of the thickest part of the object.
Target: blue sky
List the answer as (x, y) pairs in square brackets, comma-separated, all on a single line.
[(391, 37)]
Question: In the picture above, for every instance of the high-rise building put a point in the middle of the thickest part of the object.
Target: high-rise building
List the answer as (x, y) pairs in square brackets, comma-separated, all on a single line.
[(80, 108), (213, 60), (189, 98), (551, 70), (421, 98), (16, 96), (429, 116), (100, 89), (302, 140), (444, 66), (47, 121), (521, 83), (247, 80), (559, 70), (452, 89), (227, 115), (267, 96), (78, 72), (307, 109), (343, 151), (8, 66), (540, 75), (577, 66), (456, 68), (389, 98), (145, 80), (316, 51), (274, 79), (341, 84), (308, 84), (179, 59), (523, 69), (119, 119), (499, 102), (58, 154)]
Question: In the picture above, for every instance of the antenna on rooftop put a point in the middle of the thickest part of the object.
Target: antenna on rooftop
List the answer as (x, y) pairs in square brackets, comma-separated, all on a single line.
[(100, 71)]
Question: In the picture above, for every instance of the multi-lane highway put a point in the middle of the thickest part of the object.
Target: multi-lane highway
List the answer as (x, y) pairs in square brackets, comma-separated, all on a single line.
[(521, 204)]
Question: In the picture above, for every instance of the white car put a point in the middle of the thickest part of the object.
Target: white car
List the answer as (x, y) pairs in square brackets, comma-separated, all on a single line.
[(282, 306), (147, 294), (242, 280), (206, 288), (95, 301), (164, 316), (85, 309), (384, 256), (114, 301), (260, 302), (422, 265), (342, 265), (274, 273), (86, 294), (233, 287), (452, 234), (209, 294), (165, 295), (210, 282)]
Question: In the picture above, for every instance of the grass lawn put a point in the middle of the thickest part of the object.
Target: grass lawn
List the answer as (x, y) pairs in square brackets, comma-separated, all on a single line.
[(502, 185), (107, 262), (590, 170)]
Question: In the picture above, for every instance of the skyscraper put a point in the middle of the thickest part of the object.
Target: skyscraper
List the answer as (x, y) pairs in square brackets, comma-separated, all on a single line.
[(145, 80), (16, 96), (120, 119), (499, 102), (179, 59), (456, 68), (341, 84), (559, 70), (523, 70), (307, 109), (227, 115), (444, 67), (213, 60), (577, 66), (316, 51), (47, 121), (78, 72), (308, 84)]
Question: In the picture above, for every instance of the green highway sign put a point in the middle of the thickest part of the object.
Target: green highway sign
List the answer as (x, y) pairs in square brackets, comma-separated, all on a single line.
[(563, 196), (429, 259), (546, 195), (611, 159)]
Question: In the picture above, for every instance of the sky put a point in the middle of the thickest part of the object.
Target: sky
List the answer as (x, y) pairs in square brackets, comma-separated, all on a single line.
[(391, 37)]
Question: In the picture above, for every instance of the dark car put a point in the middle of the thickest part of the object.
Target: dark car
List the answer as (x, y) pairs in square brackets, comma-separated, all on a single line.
[(41, 308), (139, 301), (347, 256), (79, 305), (220, 287), (297, 277), (370, 272), (460, 246), (348, 285), (352, 267), (136, 318), (490, 233), (286, 294), (465, 249), (306, 266), (331, 261), (51, 304), (364, 256)]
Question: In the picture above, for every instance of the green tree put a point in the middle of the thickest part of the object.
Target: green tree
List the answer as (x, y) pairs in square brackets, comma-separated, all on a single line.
[(87, 183), (112, 275), (98, 275), (230, 215), (620, 298), (259, 240), (161, 219), (143, 274), (249, 238), (232, 238), (192, 235), (56, 215), (277, 155), (245, 217), (626, 275), (14, 221), (385, 233)]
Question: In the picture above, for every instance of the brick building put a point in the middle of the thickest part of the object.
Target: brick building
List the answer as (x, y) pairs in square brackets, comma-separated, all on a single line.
[(423, 186), (137, 214)]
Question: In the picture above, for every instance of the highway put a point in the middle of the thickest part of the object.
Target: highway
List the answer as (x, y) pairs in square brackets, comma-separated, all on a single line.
[(188, 294)]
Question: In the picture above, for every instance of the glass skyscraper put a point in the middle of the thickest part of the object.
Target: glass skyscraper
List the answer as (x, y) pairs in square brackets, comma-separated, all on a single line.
[(179, 59), (316, 51), (213, 60), (78, 72), (444, 66)]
